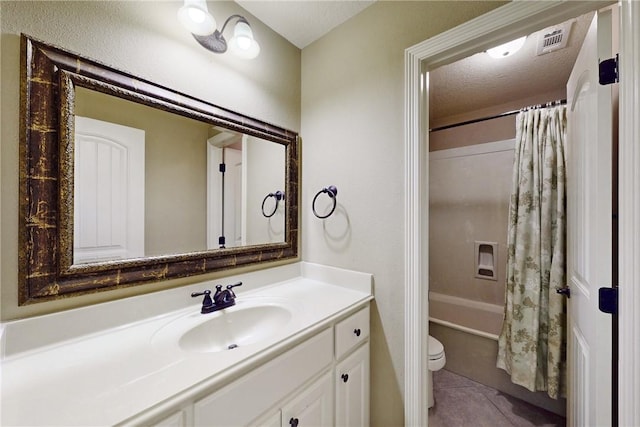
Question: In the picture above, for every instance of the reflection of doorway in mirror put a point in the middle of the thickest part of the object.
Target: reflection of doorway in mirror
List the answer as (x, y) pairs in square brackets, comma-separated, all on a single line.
[(225, 202), (108, 191)]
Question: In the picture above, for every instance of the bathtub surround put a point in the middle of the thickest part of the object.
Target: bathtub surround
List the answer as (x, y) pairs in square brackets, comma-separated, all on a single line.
[(469, 191)]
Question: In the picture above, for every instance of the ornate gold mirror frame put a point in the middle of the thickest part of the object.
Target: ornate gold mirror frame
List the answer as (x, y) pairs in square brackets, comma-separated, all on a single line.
[(49, 76)]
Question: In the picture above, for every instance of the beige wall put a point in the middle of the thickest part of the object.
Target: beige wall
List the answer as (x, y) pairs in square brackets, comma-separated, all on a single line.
[(145, 39), (353, 138)]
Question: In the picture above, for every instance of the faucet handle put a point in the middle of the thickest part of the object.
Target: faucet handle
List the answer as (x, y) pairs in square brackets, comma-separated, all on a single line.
[(206, 293), (230, 288), (234, 285), (207, 302)]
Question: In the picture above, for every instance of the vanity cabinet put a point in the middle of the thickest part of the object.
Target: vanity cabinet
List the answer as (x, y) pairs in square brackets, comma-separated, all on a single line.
[(253, 395), (324, 381), (164, 364)]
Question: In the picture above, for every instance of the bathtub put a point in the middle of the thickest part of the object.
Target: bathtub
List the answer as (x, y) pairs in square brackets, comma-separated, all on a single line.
[(470, 316)]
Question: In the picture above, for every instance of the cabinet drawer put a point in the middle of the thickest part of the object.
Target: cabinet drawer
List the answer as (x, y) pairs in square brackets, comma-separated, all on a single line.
[(352, 331)]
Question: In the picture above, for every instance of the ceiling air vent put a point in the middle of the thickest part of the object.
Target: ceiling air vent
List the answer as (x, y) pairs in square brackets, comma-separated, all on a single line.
[(554, 38)]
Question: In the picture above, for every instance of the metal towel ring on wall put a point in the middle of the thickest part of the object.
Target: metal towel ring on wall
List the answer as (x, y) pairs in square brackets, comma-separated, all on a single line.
[(278, 195), (332, 191)]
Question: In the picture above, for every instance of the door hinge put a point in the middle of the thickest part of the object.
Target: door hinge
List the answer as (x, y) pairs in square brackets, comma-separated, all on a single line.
[(608, 300), (222, 168), (609, 71)]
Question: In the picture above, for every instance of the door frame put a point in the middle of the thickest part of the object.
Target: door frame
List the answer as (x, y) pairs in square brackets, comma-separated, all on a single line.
[(506, 23)]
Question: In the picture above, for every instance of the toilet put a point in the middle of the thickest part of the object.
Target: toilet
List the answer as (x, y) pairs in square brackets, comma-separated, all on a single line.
[(436, 362)]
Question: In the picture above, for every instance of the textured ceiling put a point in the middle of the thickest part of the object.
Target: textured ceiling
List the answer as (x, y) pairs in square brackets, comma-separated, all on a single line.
[(479, 81), (303, 21), (475, 83)]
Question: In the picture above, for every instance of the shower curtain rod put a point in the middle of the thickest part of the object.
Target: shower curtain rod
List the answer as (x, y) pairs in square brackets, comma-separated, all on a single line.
[(497, 116)]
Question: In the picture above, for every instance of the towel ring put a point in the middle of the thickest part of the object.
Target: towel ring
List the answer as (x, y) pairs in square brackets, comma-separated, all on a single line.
[(332, 191), (278, 195)]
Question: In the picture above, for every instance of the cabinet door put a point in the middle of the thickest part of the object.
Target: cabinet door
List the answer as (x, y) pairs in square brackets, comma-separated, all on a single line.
[(313, 406), (256, 393), (352, 389)]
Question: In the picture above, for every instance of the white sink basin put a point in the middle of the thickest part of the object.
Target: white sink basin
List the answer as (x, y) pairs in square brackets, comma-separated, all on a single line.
[(241, 325), (234, 329)]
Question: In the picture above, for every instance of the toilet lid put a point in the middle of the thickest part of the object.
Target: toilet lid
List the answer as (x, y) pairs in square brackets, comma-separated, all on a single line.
[(436, 349)]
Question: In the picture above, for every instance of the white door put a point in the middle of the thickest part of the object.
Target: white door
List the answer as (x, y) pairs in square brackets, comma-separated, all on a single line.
[(589, 224), (233, 196), (109, 191), (231, 200)]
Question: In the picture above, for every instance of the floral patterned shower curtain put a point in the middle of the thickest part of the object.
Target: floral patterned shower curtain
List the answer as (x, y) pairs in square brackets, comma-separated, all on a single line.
[(532, 343)]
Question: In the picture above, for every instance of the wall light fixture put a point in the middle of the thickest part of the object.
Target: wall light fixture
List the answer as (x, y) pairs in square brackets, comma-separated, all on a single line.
[(195, 17)]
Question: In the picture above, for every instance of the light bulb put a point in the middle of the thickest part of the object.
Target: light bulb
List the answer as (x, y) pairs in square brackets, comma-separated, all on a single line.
[(506, 49), (195, 17), (242, 43)]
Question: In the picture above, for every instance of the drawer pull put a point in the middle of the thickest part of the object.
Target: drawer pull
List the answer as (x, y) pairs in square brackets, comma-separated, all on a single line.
[(345, 377), (357, 332), (294, 422)]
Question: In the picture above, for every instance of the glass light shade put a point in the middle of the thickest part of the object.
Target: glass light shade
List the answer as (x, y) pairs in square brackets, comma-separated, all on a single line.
[(507, 49), (195, 17), (242, 43)]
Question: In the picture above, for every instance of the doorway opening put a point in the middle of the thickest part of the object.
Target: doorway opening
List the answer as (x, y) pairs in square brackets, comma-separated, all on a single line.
[(506, 23), (472, 128)]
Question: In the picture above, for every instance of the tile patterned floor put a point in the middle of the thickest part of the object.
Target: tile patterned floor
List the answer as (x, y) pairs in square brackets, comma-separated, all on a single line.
[(461, 402)]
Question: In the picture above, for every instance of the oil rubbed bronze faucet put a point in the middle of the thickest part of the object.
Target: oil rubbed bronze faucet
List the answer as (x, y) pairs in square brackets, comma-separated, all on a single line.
[(221, 299)]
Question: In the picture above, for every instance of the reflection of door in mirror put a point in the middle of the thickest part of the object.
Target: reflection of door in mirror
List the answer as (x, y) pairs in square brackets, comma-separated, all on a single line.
[(225, 204), (109, 191)]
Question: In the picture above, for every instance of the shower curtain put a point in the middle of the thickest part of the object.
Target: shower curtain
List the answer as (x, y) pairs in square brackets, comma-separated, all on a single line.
[(532, 344)]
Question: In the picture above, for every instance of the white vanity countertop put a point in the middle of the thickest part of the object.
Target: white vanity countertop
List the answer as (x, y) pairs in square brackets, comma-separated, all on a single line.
[(97, 375)]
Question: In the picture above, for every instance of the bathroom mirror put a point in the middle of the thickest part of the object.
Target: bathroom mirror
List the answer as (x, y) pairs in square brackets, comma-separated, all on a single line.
[(148, 182), (123, 181)]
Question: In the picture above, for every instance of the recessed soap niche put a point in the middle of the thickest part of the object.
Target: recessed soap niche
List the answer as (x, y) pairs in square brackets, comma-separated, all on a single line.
[(486, 256)]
